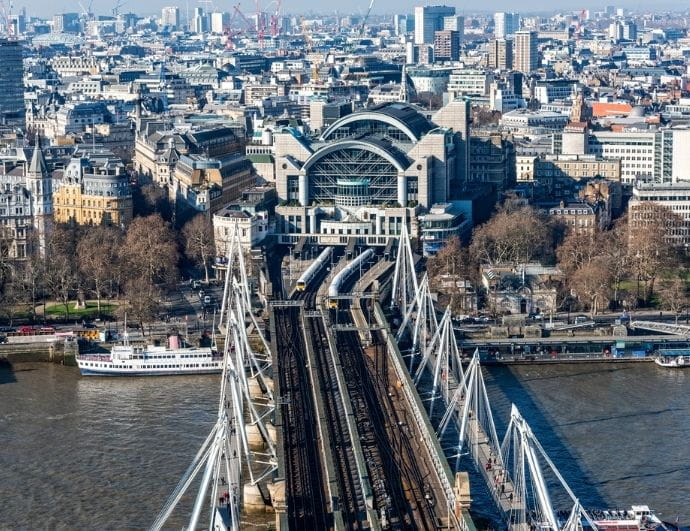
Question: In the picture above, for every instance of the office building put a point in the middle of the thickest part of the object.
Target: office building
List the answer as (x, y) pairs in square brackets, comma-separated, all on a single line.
[(500, 54), (455, 23), (428, 20), (170, 17), (466, 82), (11, 83), (66, 23), (526, 58), (446, 45), (673, 196), (630, 31), (219, 21), (403, 24), (506, 24), (200, 21)]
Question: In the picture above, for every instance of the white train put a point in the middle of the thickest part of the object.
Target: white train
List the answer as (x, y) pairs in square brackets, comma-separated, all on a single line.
[(313, 270), (344, 274)]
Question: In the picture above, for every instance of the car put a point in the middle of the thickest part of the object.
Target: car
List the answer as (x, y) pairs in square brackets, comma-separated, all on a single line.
[(196, 284), (207, 299), (581, 319), (201, 293)]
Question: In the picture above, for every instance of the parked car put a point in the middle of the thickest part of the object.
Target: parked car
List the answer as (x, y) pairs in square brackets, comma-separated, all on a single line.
[(201, 293), (207, 299)]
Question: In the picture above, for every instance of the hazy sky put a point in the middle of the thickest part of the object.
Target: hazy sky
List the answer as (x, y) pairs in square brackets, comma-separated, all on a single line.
[(45, 8)]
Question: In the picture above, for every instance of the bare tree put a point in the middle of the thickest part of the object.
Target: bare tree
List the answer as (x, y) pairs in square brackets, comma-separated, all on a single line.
[(143, 301), (512, 236), (577, 250), (61, 280), (452, 259), (591, 283), (98, 251), (673, 293), (150, 251), (198, 240), (615, 249)]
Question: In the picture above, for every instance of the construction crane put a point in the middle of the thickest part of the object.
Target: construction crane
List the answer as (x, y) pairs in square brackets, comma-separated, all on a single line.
[(6, 13), (366, 17), (118, 5), (260, 24), (86, 12), (275, 17), (231, 33)]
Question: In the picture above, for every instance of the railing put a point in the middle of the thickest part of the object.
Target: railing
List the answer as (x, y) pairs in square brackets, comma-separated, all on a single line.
[(439, 461)]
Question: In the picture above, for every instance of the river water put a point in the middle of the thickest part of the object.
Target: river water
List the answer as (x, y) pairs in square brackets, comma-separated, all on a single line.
[(92, 453)]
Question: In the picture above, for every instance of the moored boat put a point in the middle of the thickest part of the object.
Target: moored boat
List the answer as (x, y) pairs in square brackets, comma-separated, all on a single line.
[(152, 360), (673, 362)]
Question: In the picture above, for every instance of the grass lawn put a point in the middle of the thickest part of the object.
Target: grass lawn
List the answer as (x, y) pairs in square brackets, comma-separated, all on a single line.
[(91, 310)]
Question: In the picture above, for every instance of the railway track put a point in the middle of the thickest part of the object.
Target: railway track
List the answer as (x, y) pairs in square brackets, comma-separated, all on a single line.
[(307, 506), (352, 499)]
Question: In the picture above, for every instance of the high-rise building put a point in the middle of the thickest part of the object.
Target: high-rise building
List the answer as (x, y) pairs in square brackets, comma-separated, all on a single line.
[(170, 17), (446, 45), (501, 54), (455, 23), (403, 24), (219, 21), (506, 24), (66, 23), (630, 31), (11, 83), (526, 57), (200, 21), (616, 31), (428, 20)]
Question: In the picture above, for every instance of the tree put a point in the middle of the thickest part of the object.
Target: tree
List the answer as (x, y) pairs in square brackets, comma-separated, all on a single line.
[(152, 199), (577, 250), (512, 236), (615, 249), (61, 280), (198, 240), (60, 270), (452, 259), (150, 251), (653, 230), (29, 281), (591, 283), (673, 293), (143, 301), (98, 252)]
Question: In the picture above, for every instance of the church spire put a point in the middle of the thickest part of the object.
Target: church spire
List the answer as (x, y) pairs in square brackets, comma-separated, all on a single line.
[(38, 164), (404, 95)]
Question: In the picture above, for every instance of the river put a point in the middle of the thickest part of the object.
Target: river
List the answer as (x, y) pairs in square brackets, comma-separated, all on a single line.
[(87, 453)]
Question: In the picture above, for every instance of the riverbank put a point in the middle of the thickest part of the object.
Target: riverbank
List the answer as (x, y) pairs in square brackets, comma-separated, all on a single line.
[(59, 351)]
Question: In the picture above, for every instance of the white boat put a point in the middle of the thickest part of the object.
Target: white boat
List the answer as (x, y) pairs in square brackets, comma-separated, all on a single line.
[(151, 360), (637, 518), (673, 362)]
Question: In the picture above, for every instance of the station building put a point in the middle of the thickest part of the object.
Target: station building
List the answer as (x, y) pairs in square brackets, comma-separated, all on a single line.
[(367, 173)]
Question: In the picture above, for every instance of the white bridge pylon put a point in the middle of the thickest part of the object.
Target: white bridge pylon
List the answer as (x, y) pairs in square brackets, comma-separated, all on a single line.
[(420, 320), (526, 462), (239, 450), (405, 287), (443, 356)]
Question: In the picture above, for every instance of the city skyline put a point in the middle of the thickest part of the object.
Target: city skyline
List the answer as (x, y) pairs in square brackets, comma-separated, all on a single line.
[(46, 8)]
